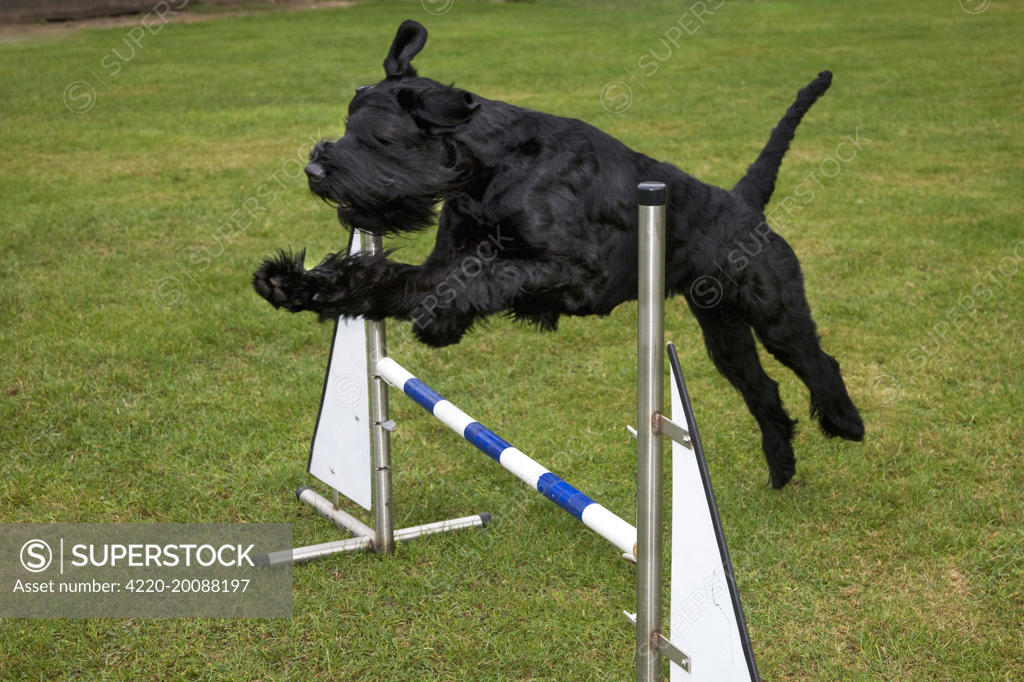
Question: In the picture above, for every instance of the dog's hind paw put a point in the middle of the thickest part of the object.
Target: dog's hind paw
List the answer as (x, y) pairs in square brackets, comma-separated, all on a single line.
[(781, 475), (283, 282), (848, 426), (838, 417), (779, 455)]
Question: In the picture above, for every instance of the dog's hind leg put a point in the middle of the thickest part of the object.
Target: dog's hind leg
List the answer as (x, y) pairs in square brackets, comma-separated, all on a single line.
[(731, 346), (791, 337)]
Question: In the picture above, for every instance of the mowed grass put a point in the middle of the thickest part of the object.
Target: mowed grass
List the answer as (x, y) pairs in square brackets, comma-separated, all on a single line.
[(143, 381)]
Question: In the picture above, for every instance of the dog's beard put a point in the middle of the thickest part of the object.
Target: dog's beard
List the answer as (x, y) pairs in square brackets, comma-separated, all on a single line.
[(388, 204), (377, 213), (388, 217)]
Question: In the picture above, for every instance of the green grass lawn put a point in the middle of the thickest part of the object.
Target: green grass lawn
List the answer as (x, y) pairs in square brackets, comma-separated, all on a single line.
[(143, 380)]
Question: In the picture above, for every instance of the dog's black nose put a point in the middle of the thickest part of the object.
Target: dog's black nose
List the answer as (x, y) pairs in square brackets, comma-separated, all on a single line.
[(315, 171)]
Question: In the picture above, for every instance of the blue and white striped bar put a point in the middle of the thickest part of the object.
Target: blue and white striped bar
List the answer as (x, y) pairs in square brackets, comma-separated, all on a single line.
[(594, 516)]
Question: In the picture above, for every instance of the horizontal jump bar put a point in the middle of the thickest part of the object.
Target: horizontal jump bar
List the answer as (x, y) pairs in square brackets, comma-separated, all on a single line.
[(594, 516)]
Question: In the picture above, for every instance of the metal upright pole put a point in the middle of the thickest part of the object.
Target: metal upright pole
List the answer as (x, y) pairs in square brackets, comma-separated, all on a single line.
[(651, 196), (380, 437)]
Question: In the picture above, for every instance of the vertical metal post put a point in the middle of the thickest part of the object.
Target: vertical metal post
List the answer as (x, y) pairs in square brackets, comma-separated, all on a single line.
[(651, 197), (380, 436)]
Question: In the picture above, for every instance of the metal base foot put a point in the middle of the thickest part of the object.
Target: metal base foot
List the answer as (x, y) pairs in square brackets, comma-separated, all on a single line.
[(364, 534)]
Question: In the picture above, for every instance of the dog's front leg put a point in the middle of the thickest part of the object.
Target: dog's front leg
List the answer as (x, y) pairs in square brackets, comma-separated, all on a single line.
[(340, 286), (442, 299)]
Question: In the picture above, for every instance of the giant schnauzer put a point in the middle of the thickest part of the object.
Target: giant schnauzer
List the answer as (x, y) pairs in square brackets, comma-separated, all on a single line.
[(539, 220)]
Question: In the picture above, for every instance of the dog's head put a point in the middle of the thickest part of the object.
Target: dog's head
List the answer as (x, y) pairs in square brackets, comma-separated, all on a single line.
[(400, 155)]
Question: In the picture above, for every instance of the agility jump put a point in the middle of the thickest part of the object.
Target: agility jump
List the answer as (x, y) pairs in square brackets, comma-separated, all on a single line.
[(710, 645)]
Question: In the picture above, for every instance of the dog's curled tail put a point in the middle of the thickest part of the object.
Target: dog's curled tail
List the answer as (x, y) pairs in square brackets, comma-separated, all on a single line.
[(756, 187)]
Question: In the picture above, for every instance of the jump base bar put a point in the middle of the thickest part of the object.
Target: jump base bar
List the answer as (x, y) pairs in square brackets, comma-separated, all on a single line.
[(364, 534)]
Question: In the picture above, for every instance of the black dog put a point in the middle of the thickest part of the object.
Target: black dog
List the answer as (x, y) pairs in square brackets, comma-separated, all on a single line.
[(539, 221)]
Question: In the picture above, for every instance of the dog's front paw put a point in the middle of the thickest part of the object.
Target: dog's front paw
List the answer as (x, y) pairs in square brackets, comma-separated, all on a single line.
[(283, 281)]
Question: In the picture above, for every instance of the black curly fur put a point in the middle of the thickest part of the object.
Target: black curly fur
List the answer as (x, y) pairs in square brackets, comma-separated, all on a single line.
[(539, 220)]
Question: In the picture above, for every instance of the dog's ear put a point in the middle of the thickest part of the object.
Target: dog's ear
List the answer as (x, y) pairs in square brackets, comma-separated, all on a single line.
[(409, 40), (438, 110)]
